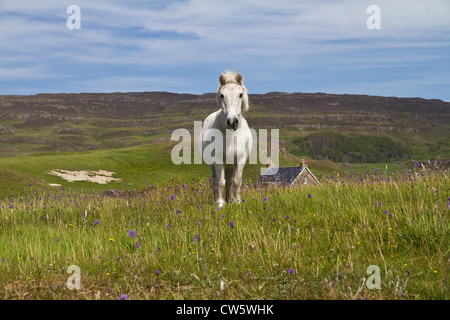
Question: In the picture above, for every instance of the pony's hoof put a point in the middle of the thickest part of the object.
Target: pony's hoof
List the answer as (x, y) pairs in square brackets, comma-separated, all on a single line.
[(221, 203)]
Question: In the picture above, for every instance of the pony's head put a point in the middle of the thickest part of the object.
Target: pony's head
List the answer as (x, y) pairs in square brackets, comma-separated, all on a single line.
[(232, 97)]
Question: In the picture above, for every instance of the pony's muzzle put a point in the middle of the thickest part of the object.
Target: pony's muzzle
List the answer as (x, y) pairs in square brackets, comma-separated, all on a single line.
[(232, 123)]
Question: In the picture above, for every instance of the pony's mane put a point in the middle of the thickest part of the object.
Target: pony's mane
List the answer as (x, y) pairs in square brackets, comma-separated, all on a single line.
[(230, 77), (236, 78)]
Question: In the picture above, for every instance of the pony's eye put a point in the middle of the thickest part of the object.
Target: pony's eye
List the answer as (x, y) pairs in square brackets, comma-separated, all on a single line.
[(240, 96), (221, 95)]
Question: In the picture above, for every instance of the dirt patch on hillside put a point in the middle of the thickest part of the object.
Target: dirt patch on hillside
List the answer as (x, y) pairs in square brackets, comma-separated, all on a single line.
[(99, 176)]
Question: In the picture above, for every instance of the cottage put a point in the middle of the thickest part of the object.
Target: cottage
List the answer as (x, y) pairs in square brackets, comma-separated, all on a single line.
[(289, 175)]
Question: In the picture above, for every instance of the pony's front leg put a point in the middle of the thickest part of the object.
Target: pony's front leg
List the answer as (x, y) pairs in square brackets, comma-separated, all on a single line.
[(220, 183), (237, 182)]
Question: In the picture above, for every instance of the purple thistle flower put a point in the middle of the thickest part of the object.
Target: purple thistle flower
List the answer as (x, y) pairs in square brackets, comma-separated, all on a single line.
[(123, 296), (96, 222), (287, 217), (132, 233), (265, 199), (309, 195), (169, 225), (291, 271), (196, 237), (231, 224), (198, 223), (178, 210), (379, 204), (172, 197), (386, 212), (157, 272)]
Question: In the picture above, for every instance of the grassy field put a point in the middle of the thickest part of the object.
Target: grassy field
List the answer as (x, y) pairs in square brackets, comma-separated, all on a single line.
[(138, 167), (170, 241)]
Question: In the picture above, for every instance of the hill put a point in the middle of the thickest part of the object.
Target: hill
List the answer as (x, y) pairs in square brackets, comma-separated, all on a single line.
[(91, 121)]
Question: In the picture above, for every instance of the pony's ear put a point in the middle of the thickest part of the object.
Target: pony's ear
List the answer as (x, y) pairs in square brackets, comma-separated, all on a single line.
[(222, 80), (239, 79)]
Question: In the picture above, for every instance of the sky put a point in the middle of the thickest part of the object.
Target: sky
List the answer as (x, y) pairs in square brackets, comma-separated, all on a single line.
[(184, 46)]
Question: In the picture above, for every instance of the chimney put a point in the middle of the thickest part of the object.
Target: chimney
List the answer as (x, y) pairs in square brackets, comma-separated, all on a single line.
[(304, 163)]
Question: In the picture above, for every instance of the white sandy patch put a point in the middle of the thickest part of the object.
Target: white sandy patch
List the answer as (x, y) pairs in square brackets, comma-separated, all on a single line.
[(54, 185), (100, 176)]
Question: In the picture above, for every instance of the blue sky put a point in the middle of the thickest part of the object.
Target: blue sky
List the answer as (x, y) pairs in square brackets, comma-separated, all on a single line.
[(183, 46)]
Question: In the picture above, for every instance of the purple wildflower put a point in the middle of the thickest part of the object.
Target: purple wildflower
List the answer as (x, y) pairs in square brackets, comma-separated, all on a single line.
[(265, 199), (309, 195), (291, 271), (96, 222), (157, 272), (123, 296), (231, 224), (132, 233), (172, 197), (137, 245)]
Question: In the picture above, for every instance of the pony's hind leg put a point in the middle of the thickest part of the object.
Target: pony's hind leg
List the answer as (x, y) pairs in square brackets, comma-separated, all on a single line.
[(213, 182), (229, 174)]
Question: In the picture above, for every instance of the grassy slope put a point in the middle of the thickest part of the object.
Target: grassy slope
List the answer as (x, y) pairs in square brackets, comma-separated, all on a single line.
[(139, 167)]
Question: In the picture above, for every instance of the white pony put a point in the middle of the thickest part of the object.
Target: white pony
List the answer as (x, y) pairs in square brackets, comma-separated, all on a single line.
[(232, 136)]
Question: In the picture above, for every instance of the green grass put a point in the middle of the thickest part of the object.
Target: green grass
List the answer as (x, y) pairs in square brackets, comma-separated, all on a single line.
[(136, 166), (328, 239)]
